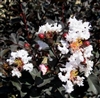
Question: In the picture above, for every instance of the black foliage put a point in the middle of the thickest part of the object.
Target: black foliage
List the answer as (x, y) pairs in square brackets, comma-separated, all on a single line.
[(79, 92)]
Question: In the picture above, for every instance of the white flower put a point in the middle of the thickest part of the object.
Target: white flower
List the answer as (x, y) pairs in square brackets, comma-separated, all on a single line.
[(56, 27), (69, 86), (72, 36), (16, 72), (88, 68), (23, 60), (26, 59), (49, 28), (84, 34), (14, 54), (62, 77), (76, 57), (64, 47), (79, 81), (78, 29), (87, 51), (68, 68), (78, 25), (11, 60), (23, 54), (43, 28), (28, 67)]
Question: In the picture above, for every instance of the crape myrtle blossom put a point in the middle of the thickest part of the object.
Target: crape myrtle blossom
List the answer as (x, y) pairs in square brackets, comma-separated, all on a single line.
[(21, 60), (79, 60), (78, 29), (63, 48), (88, 68), (79, 81), (88, 51), (69, 86), (76, 57), (23, 54), (16, 72), (49, 28)]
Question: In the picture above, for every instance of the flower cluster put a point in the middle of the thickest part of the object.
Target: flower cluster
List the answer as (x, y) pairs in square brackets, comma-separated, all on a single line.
[(74, 46), (48, 30), (79, 50), (19, 61)]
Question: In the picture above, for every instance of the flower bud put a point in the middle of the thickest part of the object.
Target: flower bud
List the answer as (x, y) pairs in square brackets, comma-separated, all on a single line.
[(86, 43), (64, 35), (43, 68), (41, 36), (26, 45)]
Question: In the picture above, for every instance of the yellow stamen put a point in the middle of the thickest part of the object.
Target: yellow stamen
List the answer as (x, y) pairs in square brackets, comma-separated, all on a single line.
[(73, 74), (75, 45), (18, 62)]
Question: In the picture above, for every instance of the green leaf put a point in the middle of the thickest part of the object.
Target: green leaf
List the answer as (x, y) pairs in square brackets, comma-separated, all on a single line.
[(61, 89), (38, 80), (13, 47), (34, 97), (26, 78), (34, 73), (3, 52), (46, 81), (47, 91), (97, 54), (18, 85), (94, 84)]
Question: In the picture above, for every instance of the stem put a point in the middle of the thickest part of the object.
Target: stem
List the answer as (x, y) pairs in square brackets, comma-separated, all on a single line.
[(53, 51), (24, 18), (63, 13)]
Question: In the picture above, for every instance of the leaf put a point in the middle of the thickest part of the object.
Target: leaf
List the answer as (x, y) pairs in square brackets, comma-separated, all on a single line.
[(13, 47), (34, 73), (13, 38), (46, 81), (3, 52), (51, 53), (38, 81), (15, 20), (21, 43), (25, 88), (34, 97), (26, 78), (34, 92), (18, 86), (61, 89), (94, 84), (48, 90), (97, 54)]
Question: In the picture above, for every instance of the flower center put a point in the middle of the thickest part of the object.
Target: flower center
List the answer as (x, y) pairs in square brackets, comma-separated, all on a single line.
[(75, 45), (18, 62), (73, 74), (49, 35)]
